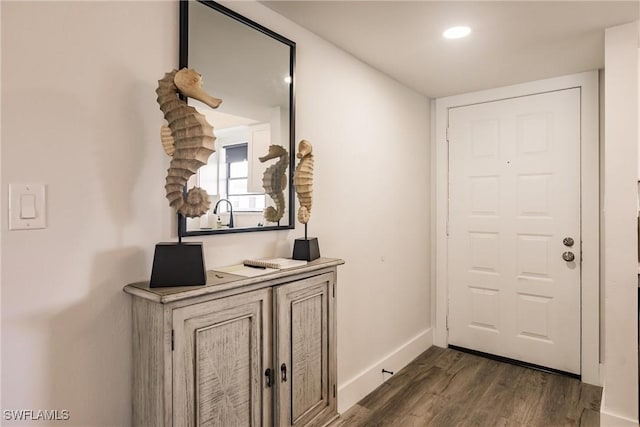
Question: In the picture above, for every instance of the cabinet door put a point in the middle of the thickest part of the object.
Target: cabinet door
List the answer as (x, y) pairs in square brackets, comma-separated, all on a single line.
[(305, 341), (222, 349)]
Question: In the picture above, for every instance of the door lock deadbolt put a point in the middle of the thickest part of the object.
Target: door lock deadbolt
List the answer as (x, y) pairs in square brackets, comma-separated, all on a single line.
[(568, 241)]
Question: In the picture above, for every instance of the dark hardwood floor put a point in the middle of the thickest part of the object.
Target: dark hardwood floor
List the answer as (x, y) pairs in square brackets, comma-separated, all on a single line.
[(445, 387)]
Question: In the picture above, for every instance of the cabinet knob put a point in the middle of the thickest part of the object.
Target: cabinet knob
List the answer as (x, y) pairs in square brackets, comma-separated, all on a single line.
[(267, 374), (283, 371)]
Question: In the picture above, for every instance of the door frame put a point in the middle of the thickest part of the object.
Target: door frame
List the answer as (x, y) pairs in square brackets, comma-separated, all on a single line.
[(589, 206)]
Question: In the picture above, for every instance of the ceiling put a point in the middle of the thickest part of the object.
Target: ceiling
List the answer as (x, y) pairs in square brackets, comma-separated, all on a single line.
[(511, 41)]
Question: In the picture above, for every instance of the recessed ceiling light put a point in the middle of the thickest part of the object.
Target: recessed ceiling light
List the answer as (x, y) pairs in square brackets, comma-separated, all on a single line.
[(456, 32)]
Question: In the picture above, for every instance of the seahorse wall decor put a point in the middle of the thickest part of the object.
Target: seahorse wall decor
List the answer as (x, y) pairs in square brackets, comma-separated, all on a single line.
[(303, 180), (274, 181), (188, 138)]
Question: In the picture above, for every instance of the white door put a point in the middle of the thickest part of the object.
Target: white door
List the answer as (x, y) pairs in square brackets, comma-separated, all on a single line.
[(514, 196)]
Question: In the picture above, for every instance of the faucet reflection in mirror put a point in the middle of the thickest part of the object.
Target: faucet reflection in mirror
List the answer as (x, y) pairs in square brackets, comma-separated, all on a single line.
[(230, 206), (274, 181), (189, 140)]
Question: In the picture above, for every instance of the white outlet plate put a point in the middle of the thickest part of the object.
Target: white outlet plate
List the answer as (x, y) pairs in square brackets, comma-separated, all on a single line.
[(27, 207)]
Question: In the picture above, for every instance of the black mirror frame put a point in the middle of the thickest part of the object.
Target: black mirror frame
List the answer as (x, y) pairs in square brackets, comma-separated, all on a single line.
[(184, 61)]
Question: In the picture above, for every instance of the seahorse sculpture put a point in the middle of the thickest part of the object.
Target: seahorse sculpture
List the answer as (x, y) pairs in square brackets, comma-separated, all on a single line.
[(188, 138), (274, 181), (303, 180)]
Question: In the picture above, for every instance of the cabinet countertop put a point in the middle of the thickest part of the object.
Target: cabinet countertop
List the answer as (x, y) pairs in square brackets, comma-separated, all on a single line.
[(220, 281)]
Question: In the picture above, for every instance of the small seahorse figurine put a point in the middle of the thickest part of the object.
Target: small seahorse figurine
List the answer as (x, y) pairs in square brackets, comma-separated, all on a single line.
[(303, 180), (188, 138), (274, 181)]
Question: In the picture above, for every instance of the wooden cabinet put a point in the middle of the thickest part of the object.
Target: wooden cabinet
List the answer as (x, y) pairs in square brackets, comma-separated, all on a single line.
[(238, 351)]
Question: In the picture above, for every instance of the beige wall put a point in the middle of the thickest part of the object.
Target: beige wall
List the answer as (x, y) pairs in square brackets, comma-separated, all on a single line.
[(79, 114)]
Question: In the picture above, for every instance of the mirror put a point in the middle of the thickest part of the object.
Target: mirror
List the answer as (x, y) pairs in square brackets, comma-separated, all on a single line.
[(252, 69)]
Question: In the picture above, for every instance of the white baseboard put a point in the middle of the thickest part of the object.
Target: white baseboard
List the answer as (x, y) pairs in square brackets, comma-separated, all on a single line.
[(611, 420), (354, 389), (608, 419)]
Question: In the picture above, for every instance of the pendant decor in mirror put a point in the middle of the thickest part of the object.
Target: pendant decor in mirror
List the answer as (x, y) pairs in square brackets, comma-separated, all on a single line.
[(247, 179)]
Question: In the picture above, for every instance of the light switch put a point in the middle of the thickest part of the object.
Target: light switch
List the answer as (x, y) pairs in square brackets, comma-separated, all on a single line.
[(27, 206)]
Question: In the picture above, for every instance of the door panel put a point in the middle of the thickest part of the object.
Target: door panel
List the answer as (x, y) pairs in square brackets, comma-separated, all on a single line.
[(303, 312), (221, 352), (308, 323), (514, 190), (223, 383)]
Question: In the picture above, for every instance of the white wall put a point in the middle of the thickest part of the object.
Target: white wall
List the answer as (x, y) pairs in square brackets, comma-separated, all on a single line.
[(79, 114), (620, 398)]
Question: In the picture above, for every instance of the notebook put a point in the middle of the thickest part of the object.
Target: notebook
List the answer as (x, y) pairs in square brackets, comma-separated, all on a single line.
[(279, 263), (241, 270)]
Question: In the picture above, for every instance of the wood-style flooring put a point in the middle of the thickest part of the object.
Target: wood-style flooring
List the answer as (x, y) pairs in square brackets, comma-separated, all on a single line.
[(445, 387)]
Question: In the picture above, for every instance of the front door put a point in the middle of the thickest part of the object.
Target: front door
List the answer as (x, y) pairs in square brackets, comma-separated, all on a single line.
[(514, 228)]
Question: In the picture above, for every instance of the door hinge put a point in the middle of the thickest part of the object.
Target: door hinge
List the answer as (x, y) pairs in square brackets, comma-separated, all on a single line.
[(333, 290), (446, 322), (172, 340), (446, 132), (334, 390)]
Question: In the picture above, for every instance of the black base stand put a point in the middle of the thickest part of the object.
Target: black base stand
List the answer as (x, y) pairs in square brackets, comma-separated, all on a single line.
[(178, 264), (306, 249)]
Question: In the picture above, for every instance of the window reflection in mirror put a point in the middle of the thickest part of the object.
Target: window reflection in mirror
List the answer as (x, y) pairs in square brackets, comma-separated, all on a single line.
[(234, 173), (237, 181)]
